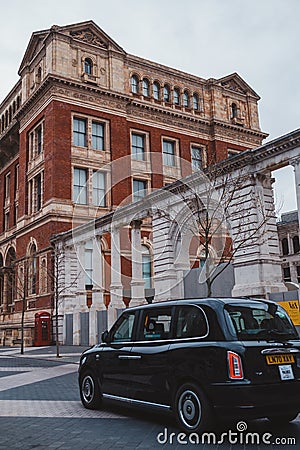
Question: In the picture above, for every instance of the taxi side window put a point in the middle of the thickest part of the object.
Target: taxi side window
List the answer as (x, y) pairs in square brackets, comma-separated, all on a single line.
[(156, 324), (191, 322), (122, 330)]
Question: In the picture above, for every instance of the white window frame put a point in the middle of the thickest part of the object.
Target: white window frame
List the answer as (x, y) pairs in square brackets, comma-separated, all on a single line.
[(81, 188), (36, 141), (96, 189), (146, 190), (201, 149)]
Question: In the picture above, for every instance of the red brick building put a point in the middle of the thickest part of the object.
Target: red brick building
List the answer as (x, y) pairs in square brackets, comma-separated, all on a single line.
[(80, 104)]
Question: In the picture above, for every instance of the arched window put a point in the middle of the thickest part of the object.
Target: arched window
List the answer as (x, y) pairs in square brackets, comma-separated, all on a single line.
[(156, 89), (32, 266), (186, 102), (285, 246), (166, 93), (234, 110), (296, 244), (134, 84), (176, 96), (88, 66), (146, 87), (195, 102), (147, 266)]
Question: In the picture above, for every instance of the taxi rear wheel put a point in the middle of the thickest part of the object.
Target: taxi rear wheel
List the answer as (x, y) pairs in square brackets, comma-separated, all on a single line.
[(90, 392), (192, 409)]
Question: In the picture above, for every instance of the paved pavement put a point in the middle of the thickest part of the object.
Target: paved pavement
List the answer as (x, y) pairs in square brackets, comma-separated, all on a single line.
[(40, 409)]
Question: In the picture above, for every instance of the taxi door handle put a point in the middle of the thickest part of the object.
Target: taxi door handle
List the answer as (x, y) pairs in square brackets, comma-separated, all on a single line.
[(129, 357)]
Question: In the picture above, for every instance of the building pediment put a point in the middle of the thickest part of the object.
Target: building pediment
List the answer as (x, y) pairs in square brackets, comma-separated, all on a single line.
[(235, 83), (89, 33), (86, 32)]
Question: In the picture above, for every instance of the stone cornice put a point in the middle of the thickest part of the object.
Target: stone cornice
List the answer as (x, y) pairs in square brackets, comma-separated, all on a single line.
[(135, 104)]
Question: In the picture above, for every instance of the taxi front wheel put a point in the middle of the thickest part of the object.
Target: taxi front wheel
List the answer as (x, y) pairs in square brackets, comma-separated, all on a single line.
[(90, 393)]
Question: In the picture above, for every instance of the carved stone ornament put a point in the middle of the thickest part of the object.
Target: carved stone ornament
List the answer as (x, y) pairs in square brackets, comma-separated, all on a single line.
[(231, 85), (89, 37)]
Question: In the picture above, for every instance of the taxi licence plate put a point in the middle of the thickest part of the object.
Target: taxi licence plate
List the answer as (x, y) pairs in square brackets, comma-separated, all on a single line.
[(280, 359)]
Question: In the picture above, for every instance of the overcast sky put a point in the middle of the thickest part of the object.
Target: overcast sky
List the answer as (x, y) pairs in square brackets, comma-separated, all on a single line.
[(259, 39)]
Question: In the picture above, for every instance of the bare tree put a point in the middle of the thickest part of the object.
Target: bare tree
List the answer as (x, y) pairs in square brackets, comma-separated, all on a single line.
[(17, 285), (213, 211), (59, 285)]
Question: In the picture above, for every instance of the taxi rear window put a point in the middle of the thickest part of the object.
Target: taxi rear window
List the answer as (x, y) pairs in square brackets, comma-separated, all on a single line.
[(259, 321)]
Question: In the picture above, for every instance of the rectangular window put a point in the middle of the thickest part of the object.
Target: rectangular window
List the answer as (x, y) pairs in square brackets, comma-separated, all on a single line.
[(79, 132), (36, 141), (169, 153), (97, 136), (138, 146), (139, 190), (99, 188), (7, 186), (146, 268), (287, 274), (298, 274), (38, 190), (196, 154), (6, 221), (17, 178), (80, 186), (39, 139)]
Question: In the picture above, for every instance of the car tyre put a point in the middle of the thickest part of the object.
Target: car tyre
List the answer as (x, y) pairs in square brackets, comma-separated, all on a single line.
[(192, 409), (282, 419), (90, 393)]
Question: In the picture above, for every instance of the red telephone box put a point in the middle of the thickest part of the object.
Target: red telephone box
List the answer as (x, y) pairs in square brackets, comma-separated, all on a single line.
[(42, 329)]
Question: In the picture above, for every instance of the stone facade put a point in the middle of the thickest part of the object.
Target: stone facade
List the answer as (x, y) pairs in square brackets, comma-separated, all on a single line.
[(288, 232), (77, 108)]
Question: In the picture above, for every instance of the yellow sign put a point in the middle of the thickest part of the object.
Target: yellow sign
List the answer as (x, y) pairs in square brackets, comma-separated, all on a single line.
[(293, 310)]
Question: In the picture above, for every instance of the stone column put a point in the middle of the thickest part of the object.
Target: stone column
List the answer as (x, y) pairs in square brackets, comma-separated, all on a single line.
[(257, 266), (137, 283), (182, 262), (165, 276), (98, 303), (116, 288)]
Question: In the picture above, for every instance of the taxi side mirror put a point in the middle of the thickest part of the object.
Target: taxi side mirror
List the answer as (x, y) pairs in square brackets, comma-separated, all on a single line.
[(105, 337)]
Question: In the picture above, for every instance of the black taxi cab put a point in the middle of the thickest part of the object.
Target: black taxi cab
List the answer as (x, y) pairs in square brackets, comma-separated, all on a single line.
[(199, 358)]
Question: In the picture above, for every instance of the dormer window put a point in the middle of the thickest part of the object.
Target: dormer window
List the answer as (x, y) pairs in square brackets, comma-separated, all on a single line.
[(145, 87), (134, 84), (166, 93), (186, 102), (176, 96), (88, 66), (195, 102), (156, 89)]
